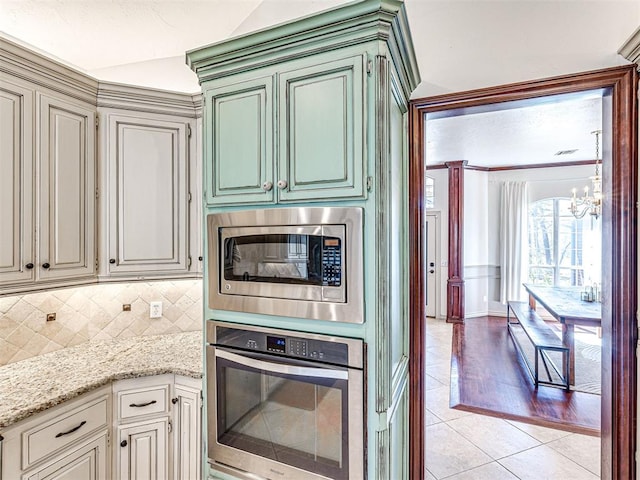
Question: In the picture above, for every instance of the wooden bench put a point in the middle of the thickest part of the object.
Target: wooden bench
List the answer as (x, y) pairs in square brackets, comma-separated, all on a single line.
[(543, 340)]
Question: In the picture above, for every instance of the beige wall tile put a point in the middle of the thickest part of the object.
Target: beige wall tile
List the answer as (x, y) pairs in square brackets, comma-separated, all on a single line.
[(94, 313)]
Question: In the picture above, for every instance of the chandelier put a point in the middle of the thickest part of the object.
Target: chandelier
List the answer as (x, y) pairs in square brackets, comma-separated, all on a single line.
[(589, 203)]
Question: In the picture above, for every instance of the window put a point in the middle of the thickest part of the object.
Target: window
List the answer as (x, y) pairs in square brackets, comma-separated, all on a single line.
[(429, 193), (563, 250)]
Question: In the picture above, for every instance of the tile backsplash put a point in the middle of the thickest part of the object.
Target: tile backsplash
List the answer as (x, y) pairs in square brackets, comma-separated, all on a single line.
[(94, 313)]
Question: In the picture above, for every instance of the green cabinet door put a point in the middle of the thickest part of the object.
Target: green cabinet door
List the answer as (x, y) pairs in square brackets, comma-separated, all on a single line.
[(321, 131), (239, 141)]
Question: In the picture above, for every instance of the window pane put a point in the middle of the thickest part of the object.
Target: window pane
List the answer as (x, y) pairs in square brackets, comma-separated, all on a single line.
[(574, 259), (541, 275), (541, 233)]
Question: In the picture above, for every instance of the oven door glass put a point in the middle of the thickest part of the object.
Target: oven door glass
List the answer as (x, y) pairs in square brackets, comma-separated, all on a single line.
[(289, 413)]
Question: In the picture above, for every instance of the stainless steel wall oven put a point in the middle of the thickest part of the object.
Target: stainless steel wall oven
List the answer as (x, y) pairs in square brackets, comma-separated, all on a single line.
[(296, 262), (284, 404)]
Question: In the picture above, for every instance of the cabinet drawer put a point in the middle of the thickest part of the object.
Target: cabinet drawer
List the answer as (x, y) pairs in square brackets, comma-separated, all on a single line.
[(54, 435), (143, 402)]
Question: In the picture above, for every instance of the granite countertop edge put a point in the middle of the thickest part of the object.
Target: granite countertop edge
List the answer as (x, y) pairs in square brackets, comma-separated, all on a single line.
[(27, 387)]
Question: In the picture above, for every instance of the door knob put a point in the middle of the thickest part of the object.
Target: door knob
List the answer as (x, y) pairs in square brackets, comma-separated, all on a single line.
[(431, 264), (45, 265), (29, 266), (431, 271), (123, 443), (282, 184), (112, 260), (267, 186)]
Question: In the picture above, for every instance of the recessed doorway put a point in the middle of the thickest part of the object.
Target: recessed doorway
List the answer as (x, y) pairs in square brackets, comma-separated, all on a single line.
[(619, 243)]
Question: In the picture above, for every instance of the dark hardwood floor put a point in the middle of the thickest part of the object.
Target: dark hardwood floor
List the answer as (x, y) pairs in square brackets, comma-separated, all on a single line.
[(487, 377)]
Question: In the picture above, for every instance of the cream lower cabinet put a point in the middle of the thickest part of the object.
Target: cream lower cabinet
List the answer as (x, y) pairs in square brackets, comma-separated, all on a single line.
[(140, 428), (187, 428), (68, 442), (158, 428)]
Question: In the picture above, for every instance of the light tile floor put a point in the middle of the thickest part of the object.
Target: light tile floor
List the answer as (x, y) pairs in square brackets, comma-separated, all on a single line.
[(466, 446)]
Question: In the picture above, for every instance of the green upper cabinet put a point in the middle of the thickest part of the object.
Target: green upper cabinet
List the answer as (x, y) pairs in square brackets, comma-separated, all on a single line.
[(239, 140), (301, 141), (321, 132)]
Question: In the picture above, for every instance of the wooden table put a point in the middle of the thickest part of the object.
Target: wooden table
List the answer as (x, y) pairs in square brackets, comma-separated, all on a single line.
[(565, 305)]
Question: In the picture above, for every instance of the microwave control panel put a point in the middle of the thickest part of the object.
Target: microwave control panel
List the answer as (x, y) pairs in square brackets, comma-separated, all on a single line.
[(331, 262)]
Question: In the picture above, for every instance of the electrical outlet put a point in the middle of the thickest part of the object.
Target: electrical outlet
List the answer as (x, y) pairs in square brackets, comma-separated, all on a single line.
[(155, 309)]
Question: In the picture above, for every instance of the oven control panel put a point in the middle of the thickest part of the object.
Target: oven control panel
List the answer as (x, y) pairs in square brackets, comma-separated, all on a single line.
[(328, 351)]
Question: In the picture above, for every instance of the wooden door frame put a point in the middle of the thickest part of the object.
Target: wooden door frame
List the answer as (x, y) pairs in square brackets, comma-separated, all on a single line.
[(619, 374)]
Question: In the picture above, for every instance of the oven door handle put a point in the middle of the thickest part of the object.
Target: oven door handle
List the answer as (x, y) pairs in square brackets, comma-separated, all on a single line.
[(281, 368)]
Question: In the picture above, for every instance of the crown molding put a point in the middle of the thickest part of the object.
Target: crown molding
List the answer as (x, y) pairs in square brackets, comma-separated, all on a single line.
[(631, 48), (150, 100), (356, 23), (24, 63)]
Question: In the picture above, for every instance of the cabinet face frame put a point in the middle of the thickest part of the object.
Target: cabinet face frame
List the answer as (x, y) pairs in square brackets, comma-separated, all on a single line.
[(129, 166), (67, 189), (17, 213)]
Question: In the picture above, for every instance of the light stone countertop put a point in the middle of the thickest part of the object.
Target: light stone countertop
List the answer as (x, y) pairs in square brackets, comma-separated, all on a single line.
[(36, 384)]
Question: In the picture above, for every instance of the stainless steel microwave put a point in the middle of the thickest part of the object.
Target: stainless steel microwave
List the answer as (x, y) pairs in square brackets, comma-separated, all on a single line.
[(294, 262)]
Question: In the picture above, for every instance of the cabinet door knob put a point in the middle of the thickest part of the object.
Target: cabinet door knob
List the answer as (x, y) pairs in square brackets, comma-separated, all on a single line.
[(112, 260), (282, 184), (45, 265), (29, 266), (267, 186), (200, 258), (123, 443), (174, 400)]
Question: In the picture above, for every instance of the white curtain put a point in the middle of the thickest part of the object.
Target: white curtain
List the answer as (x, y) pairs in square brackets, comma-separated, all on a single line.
[(513, 241)]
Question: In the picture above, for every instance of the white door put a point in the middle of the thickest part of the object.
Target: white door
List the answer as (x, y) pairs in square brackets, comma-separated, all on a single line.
[(432, 261)]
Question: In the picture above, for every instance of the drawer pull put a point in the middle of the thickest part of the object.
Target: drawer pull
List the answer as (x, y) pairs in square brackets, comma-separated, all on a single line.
[(62, 434), (138, 405)]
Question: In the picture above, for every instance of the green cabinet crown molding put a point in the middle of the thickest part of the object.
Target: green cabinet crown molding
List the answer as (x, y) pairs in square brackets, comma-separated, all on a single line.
[(351, 24), (27, 64), (631, 48)]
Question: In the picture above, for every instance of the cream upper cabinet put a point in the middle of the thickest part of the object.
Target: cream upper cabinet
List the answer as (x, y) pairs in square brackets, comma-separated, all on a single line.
[(67, 189), (285, 134), (55, 197), (17, 249), (148, 195)]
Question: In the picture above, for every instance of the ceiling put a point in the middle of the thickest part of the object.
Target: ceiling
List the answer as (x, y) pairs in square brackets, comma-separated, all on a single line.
[(459, 44)]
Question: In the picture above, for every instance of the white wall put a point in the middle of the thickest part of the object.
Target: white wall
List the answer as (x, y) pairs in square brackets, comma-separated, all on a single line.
[(478, 216), (464, 45)]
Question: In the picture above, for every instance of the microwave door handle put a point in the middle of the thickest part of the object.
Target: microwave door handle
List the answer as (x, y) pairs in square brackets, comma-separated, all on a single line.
[(284, 369)]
